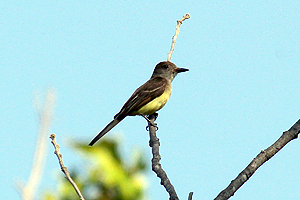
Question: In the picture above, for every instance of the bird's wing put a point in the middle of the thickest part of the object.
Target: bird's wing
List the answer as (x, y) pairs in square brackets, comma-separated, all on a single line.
[(145, 93)]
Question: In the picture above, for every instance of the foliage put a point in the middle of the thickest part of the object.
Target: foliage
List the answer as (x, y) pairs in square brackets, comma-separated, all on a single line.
[(107, 177)]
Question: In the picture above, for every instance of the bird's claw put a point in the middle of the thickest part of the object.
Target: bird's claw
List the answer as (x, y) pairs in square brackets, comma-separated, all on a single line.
[(151, 124)]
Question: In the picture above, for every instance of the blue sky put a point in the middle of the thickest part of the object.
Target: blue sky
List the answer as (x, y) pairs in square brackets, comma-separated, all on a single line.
[(241, 93)]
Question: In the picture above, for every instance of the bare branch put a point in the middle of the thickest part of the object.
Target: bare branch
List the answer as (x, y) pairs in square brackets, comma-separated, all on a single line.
[(63, 168), (259, 160), (45, 115), (179, 22), (156, 166), (190, 196)]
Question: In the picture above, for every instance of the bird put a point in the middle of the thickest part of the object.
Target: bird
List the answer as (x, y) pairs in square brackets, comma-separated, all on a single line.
[(148, 98)]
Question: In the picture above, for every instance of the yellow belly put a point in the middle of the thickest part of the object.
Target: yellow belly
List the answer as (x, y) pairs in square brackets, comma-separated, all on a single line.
[(156, 104)]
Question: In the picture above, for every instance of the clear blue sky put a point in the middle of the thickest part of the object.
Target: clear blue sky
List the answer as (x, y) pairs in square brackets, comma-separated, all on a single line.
[(241, 93)]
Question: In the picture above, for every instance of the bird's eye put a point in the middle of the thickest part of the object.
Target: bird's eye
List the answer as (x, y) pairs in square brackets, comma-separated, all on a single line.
[(165, 66)]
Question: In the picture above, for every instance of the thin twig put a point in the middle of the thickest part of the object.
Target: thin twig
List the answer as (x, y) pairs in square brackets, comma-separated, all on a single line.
[(179, 22), (63, 168), (45, 116), (156, 166), (190, 196), (259, 160)]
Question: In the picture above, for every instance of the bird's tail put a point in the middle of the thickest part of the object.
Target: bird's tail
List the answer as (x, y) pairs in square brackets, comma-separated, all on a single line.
[(107, 128)]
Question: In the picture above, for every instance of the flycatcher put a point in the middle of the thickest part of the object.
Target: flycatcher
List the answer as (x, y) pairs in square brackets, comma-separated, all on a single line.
[(149, 97)]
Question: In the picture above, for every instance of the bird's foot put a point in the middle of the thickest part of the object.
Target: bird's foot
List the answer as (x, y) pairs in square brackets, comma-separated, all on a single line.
[(150, 123)]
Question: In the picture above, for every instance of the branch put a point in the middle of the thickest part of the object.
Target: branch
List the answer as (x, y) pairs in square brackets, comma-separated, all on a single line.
[(45, 116), (156, 166), (63, 168), (190, 196), (259, 160), (179, 22)]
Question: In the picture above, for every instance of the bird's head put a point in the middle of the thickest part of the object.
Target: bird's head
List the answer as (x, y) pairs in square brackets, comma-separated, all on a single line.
[(167, 70)]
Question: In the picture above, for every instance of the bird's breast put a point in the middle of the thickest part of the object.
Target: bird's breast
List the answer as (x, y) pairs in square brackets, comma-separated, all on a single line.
[(157, 103)]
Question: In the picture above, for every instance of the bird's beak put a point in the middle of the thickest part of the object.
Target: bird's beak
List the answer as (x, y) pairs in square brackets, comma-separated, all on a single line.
[(178, 70)]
